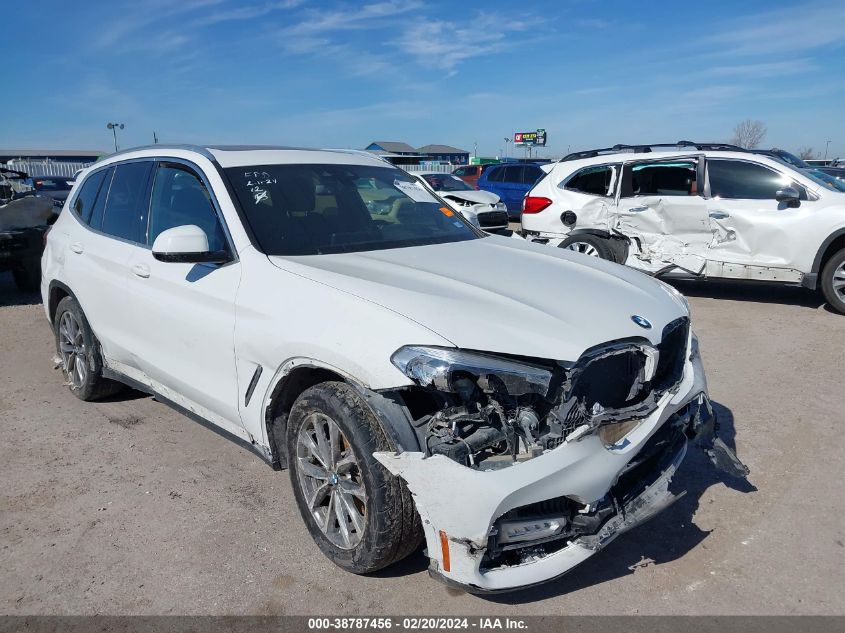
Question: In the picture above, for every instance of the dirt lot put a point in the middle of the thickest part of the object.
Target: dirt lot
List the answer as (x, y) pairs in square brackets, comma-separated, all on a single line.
[(126, 507)]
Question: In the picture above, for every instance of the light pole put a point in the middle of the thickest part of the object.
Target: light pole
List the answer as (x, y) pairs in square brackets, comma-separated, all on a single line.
[(827, 145), (507, 140), (113, 127)]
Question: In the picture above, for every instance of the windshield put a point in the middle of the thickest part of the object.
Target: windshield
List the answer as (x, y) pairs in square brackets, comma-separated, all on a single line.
[(792, 159), (446, 182), (319, 209), (830, 182)]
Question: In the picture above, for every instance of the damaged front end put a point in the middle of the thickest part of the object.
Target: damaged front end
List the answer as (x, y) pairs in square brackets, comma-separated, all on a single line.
[(530, 466)]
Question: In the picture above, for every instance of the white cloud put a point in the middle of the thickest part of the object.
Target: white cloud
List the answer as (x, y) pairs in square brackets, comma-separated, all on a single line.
[(350, 18), (246, 12), (124, 32), (797, 28), (445, 45), (763, 69)]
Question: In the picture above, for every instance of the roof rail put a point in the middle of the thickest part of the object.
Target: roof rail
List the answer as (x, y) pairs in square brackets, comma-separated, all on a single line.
[(200, 149), (358, 152), (645, 148)]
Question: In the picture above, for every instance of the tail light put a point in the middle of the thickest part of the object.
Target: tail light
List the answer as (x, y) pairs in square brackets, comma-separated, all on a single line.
[(534, 204)]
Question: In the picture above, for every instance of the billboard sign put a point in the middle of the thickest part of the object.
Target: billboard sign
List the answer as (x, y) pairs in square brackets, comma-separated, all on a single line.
[(530, 138)]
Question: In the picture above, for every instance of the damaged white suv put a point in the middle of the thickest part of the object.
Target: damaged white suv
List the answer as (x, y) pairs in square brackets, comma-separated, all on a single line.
[(695, 210), (326, 311)]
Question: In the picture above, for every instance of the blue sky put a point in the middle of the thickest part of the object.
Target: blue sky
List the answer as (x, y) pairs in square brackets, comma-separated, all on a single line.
[(341, 74)]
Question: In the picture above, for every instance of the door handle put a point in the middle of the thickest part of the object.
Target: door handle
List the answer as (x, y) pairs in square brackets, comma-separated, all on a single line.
[(141, 270), (720, 215), (77, 248), (637, 209)]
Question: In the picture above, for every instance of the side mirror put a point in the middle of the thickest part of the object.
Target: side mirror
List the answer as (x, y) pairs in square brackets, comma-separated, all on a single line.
[(186, 244), (789, 195)]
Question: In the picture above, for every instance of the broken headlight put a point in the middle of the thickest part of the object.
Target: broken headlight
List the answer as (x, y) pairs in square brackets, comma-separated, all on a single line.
[(439, 367)]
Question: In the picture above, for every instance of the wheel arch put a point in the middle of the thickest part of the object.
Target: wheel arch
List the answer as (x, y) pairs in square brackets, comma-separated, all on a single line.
[(57, 292), (619, 244), (296, 375), (595, 232), (834, 242)]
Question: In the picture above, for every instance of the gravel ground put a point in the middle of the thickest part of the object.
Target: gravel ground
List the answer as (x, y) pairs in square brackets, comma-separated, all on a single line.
[(126, 507)]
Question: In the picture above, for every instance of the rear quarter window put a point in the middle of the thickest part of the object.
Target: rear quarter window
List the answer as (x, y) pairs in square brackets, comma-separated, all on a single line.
[(87, 196), (595, 181), (531, 174), (513, 173)]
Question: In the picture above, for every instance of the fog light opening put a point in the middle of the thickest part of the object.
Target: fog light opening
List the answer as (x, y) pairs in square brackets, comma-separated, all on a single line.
[(613, 435)]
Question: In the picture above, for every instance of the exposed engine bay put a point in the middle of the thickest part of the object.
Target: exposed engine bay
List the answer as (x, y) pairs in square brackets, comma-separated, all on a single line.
[(488, 412), (595, 443)]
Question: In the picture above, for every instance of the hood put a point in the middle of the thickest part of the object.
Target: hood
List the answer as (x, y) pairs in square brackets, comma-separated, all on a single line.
[(501, 295), (476, 197)]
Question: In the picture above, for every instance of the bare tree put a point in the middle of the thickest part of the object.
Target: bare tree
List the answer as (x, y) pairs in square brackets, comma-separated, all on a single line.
[(805, 152), (749, 134)]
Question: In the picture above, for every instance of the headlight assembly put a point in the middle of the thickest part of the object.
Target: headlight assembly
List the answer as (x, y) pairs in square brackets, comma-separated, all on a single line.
[(438, 367), (675, 294)]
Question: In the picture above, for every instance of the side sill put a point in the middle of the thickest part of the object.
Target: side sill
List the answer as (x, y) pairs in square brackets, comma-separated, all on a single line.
[(810, 280), (138, 386)]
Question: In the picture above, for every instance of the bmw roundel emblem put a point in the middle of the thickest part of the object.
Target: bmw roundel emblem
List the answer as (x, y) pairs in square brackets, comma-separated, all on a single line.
[(641, 321)]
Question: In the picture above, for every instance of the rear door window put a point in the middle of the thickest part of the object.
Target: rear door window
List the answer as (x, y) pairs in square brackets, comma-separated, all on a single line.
[(669, 178), (87, 196), (496, 174), (128, 198)]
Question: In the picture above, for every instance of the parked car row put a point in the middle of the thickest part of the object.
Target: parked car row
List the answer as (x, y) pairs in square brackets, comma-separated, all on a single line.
[(25, 215), (696, 210), (515, 406), (483, 209), (509, 181)]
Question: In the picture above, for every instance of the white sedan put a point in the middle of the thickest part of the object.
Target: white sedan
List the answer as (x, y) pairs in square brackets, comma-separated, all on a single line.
[(482, 208)]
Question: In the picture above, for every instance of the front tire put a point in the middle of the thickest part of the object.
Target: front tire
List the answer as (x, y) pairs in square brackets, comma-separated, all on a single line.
[(79, 351), (361, 517), (833, 281)]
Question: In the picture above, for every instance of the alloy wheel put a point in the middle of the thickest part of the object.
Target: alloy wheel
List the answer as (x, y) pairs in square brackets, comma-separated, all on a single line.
[(839, 281), (72, 348), (583, 247), (330, 480)]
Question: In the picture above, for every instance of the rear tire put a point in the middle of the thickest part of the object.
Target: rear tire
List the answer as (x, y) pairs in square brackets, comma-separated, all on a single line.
[(591, 245), (331, 437), (79, 350), (833, 281)]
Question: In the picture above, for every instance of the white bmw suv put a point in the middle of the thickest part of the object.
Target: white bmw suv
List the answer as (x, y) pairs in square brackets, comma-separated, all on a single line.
[(517, 406), (695, 210)]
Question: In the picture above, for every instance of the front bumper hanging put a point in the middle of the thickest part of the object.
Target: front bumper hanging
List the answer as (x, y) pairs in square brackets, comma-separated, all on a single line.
[(614, 489)]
